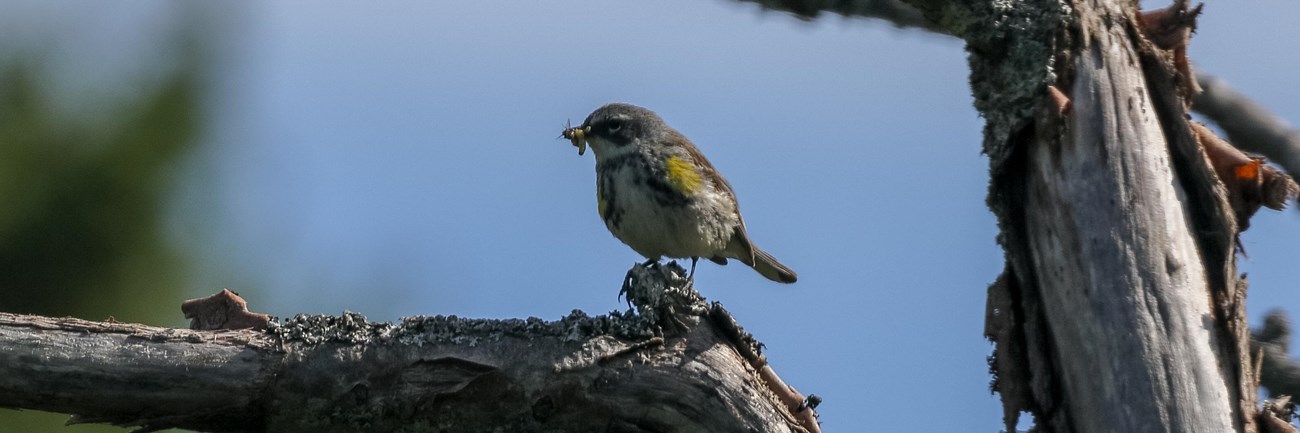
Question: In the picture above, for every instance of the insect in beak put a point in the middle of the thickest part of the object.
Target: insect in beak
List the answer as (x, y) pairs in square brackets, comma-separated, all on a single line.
[(577, 136)]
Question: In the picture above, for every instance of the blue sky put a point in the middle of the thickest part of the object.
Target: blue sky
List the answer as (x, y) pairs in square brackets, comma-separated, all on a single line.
[(400, 158)]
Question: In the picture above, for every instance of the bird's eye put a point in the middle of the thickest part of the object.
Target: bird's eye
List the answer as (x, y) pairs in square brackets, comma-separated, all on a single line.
[(615, 125)]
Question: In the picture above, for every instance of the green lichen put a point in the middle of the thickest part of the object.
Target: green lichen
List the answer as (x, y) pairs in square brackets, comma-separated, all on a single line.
[(353, 328), (1012, 48), (656, 292)]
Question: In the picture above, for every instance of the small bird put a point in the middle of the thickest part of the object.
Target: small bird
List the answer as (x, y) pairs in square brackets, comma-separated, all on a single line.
[(658, 194)]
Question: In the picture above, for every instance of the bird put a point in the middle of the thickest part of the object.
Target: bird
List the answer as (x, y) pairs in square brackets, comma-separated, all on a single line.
[(657, 193)]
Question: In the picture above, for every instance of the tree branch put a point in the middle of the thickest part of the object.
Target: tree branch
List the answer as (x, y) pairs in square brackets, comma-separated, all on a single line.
[(1249, 125), (1279, 373), (679, 365), (134, 375), (896, 12)]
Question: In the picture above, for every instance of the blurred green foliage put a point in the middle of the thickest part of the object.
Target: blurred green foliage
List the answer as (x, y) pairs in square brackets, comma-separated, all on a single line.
[(82, 205), (81, 225)]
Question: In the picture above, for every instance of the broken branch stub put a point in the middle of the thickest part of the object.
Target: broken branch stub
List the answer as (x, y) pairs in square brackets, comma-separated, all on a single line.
[(224, 310)]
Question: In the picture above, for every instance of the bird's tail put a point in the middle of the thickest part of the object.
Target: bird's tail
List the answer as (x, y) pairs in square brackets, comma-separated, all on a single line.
[(767, 265)]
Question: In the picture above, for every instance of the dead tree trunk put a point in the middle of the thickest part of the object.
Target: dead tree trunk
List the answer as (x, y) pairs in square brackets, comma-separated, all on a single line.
[(680, 366), (1120, 309), (1105, 236)]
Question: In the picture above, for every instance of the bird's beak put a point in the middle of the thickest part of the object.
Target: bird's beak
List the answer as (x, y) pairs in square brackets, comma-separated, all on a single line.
[(578, 136)]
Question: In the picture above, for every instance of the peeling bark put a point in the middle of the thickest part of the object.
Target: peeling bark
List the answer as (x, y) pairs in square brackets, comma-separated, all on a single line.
[(1249, 125), (224, 310)]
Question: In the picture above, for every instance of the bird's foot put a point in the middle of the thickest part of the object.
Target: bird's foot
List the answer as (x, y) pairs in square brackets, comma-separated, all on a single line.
[(690, 278), (630, 279)]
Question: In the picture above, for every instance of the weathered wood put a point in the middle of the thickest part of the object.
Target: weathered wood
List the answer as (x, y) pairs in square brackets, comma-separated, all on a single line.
[(134, 374), (344, 374), (1119, 309), (1122, 281), (1162, 313)]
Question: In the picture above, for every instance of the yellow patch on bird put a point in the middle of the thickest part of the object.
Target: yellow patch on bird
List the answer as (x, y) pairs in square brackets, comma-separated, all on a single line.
[(682, 175), (601, 205)]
